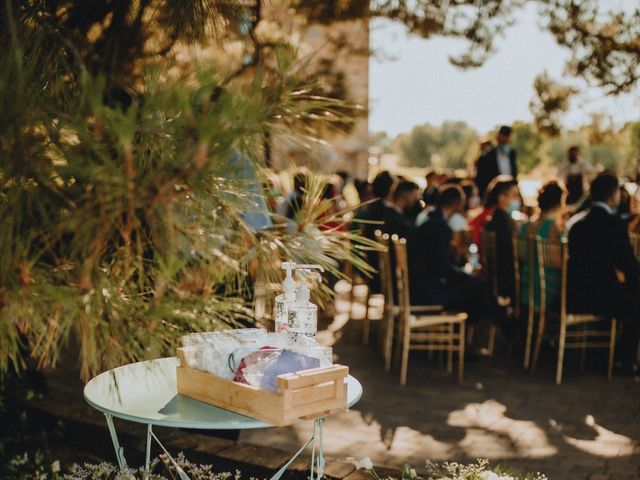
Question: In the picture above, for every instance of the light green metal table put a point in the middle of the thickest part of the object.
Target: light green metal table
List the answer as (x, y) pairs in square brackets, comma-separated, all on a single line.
[(146, 392)]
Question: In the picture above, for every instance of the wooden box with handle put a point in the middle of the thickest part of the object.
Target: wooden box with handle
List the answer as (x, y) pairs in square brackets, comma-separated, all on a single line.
[(301, 395)]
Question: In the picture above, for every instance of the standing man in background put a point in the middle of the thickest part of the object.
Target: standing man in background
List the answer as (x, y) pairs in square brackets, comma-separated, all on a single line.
[(575, 174), (500, 160)]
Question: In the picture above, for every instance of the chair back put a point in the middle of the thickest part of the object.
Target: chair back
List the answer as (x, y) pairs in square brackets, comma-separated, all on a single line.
[(384, 268), (402, 281), (489, 259), (524, 256), (635, 244), (553, 254)]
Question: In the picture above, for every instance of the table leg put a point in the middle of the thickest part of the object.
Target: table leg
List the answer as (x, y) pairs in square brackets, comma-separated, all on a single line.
[(122, 462), (147, 457), (179, 470), (313, 448), (320, 422), (279, 473)]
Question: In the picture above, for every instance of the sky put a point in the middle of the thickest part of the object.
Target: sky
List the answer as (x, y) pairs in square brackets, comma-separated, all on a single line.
[(411, 81)]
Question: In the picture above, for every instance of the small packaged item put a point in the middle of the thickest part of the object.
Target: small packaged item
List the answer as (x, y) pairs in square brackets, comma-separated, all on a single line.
[(247, 355), (261, 368)]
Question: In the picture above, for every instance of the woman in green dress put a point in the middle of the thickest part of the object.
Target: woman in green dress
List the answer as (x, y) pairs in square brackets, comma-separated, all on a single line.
[(547, 224)]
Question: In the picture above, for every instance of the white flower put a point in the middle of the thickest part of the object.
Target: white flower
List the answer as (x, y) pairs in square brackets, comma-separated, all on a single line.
[(366, 463), (487, 475), (55, 466)]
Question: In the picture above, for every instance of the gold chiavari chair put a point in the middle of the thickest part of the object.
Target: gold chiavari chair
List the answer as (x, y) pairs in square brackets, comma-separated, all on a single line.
[(524, 267), (425, 331), (388, 327), (386, 284), (489, 262), (553, 255), (635, 244)]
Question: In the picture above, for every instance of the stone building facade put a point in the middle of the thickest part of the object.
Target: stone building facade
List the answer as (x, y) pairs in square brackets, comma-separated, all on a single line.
[(343, 47)]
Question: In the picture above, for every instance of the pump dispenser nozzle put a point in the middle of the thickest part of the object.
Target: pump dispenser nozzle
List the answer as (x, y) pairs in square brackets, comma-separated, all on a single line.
[(303, 294), (289, 284)]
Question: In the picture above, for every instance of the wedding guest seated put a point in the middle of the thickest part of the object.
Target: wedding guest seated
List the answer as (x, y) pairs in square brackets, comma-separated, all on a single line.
[(458, 221), (376, 210), (474, 202), (292, 203), (478, 222), (548, 225), (431, 190), (575, 174), (603, 272), (435, 278), (625, 210), (406, 199), (507, 198), (548, 222), (363, 187), (371, 218)]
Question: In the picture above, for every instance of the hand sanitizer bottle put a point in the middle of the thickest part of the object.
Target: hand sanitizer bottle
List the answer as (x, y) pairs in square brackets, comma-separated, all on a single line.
[(303, 316), (285, 300)]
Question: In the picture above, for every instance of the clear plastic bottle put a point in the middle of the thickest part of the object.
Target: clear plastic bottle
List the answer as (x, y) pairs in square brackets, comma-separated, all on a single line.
[(474, 257), (303, 324), (303, 315), (284, 301)]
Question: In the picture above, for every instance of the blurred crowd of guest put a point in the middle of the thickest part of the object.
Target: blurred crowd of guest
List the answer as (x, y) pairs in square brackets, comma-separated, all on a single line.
[(444, 222)]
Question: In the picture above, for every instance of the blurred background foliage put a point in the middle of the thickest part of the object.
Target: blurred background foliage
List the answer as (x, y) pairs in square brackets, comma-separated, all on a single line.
[(455, 145)]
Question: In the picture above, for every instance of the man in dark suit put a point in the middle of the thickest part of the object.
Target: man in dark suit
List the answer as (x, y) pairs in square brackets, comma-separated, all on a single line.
[(374, 217), (507, 200), (603, 272), (435, 278), (500, 160)]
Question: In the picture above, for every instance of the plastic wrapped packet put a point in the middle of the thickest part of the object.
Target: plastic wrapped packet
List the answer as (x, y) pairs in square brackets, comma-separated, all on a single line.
[(263, 367), (323, 354), (217, 350), (309, 346), (194, 357), (222, 352), (245, 334)]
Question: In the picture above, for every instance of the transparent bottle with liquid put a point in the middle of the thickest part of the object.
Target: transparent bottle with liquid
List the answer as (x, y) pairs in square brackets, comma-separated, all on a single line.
[(284, 301), (473, 259), (303, 316), (303, 324)]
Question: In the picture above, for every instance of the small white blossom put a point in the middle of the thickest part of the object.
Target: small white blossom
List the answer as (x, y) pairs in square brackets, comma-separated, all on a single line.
[(366, 463), (55, 466), (487, 475)]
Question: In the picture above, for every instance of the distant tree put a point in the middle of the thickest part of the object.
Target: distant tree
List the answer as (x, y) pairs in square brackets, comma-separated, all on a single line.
[(457, 142), (528, 143), (380, 139), (418, 146), (601, 144), (452, 141), (604, 40), (633, 130), (551, 100)]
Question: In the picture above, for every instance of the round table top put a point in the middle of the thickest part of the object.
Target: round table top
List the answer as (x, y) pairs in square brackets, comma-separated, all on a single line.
[(146, 392)]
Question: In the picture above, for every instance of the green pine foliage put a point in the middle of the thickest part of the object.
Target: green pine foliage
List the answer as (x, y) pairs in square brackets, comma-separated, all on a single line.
[(122, 214)]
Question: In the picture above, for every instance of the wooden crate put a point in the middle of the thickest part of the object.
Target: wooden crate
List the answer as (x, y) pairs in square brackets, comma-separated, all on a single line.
[(305, 394)]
